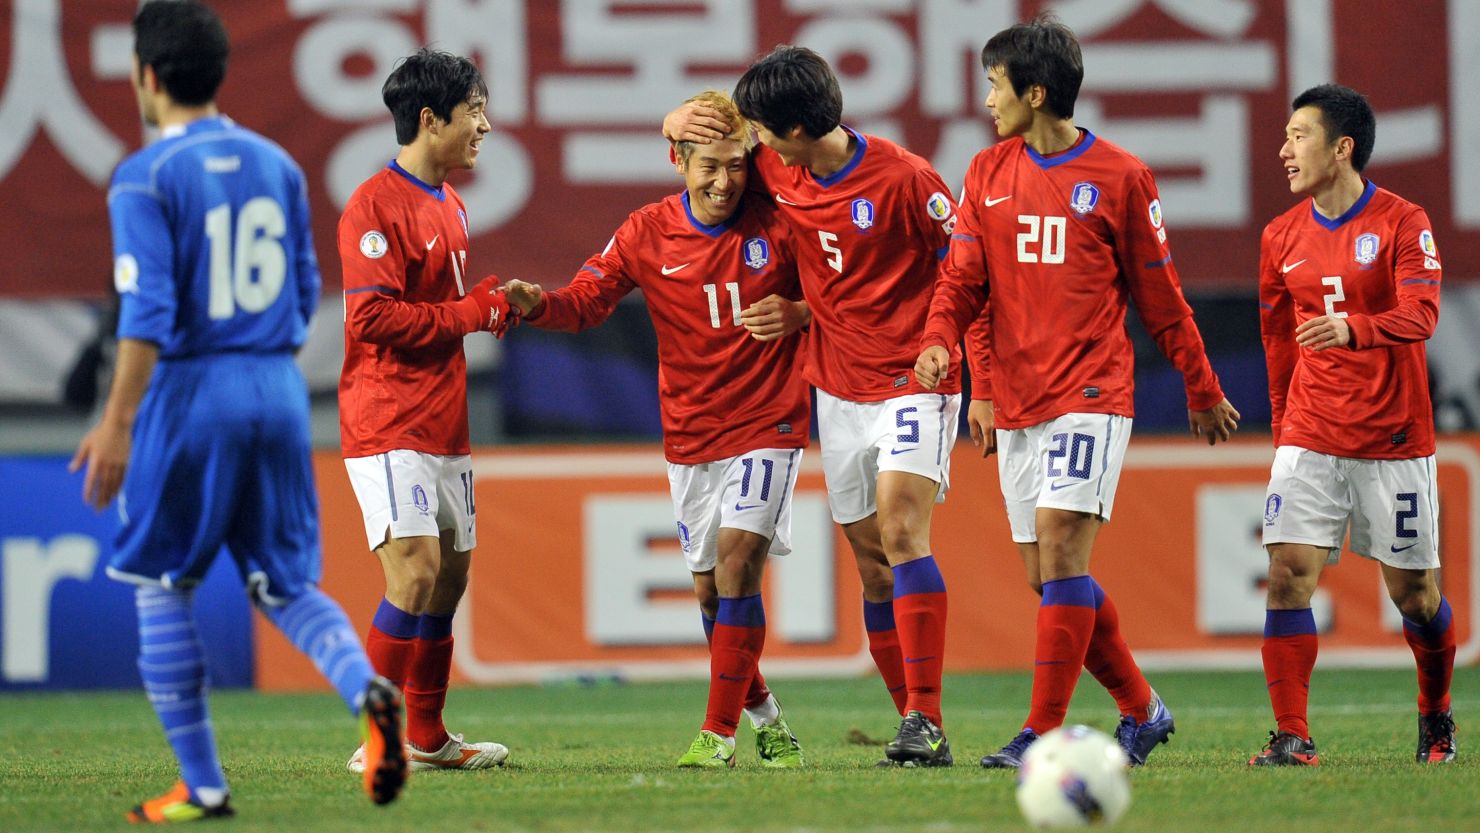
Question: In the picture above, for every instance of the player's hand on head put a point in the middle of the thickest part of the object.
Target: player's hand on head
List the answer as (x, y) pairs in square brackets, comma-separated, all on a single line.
[(774, 317), (523, 296), (1323, 333), (104, 452), (932, 365), (981, 418), (694, 122), (1216, 423)]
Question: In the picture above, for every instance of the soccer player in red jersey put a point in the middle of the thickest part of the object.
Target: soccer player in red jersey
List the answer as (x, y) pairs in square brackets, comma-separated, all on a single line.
[(872, 221), (1062, 229), (403, 409), (1348, 294), (735, 408)]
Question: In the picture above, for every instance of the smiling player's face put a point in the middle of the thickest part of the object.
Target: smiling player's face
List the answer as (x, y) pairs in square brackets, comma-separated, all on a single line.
[(715, 176), (459, 138)]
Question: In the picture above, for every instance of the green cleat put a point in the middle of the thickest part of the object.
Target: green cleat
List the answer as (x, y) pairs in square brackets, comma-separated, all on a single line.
[(708, 750), (777, 746)]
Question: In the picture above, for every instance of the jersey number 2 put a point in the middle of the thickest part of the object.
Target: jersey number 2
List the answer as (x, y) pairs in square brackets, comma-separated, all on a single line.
[(257, 252)]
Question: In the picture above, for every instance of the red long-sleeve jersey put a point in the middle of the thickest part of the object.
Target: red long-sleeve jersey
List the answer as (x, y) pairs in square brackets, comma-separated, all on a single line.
[(1378, 267), (404, 246), (1062, 243), (721, 392), (869, 241)]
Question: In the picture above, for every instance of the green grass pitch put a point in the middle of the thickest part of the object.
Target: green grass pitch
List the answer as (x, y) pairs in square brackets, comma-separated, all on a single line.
[(600, 759)]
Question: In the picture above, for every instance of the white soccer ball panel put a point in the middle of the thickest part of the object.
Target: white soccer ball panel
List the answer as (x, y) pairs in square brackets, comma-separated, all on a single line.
[(1074, 776)]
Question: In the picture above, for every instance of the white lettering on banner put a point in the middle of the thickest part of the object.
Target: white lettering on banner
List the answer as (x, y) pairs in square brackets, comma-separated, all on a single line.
[(39, 96), (1464, 116), (890, 59), (1219, 18), (490, 31), (952, 63), (1232, 566), (632, 550), (30, 571)]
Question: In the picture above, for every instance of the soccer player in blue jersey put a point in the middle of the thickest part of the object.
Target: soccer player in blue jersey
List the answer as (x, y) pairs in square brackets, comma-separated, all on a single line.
[(204, 439)]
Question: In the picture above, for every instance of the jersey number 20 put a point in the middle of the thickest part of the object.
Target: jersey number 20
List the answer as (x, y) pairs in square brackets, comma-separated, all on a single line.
[(258, 252)]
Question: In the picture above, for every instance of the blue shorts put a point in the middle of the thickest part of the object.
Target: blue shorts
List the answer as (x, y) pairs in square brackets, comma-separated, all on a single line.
[(221, 456)]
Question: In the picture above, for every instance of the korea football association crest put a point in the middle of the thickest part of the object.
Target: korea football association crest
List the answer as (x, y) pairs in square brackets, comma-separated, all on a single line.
[(863, 214), (419, 499), (757, 252), (1272, 509), (1366, 248), (1084, 197)]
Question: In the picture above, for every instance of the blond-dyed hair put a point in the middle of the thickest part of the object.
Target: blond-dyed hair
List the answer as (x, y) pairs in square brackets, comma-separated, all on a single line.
[(739, 127)]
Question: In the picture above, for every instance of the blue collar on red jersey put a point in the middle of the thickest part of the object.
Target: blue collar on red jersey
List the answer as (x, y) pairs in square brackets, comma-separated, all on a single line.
[(439, 192), (1086, 140), (714, 230), (835, 177), (1361, 203)]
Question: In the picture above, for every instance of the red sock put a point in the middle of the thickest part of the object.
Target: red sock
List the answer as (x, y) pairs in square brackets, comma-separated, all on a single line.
[(759, 692), (1066, 620), (739, 635), (1109, 660), (884, 647), (920, 618), (1433, 650), (426, 686), (390, 655), (1290, 646)]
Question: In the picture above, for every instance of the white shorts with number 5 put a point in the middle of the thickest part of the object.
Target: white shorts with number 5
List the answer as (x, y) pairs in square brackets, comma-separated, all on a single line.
[(404, 494), (750, 491), (1071, 462), (912, 433), (1390, 506)]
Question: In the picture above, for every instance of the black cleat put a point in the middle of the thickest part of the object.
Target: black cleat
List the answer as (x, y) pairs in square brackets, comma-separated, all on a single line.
[(386, 767), (1286, 749), (1436, 738), (920, 743), (1011, 755)]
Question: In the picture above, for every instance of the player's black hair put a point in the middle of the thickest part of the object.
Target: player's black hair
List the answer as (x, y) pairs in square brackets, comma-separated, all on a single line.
[(429, 78), (1042, 51), (1344, 112), (791, 86), (185, 43)]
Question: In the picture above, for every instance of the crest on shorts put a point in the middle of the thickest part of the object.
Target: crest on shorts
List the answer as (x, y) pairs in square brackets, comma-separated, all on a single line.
[(683, 537), (373, 245), (1272, 509), (419, 497), (757, 252), (863, 214), (1084, 197), (1366, 248)]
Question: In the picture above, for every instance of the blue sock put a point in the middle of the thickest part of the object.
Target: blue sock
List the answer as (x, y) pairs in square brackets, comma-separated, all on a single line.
[(173, 667), (708, 626), (317, 626)]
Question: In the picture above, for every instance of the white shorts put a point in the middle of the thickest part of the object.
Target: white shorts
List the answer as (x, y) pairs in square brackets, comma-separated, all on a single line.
[(750, 491), (404, 494), (1071, 462), (1390, 506), (912, 433)]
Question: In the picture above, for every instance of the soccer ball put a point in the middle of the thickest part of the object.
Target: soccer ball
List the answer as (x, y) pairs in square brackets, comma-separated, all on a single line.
[(1074, 776)]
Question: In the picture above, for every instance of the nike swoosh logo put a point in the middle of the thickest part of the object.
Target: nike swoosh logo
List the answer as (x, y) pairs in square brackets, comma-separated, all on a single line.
[(668, 270), (989, 202), (432, 242), (783, 200), (934, 744), (724, 676), (913, 660), (902, 450), (1288, 266), (741, 507), (1397, 548), (1054, 487)]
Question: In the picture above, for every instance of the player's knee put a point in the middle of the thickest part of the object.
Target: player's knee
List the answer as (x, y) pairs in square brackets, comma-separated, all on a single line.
[(1417, 601), (900, 537)]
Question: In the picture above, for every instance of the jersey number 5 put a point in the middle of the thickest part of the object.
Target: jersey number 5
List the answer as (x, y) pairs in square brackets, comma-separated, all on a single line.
[(835, 259), (258, 249), (1042, 240)]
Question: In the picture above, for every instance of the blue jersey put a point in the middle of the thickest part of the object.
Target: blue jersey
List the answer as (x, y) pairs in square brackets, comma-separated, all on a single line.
[(211, 243)]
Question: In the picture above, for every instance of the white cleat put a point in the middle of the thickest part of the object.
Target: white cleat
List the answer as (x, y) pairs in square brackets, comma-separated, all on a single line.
[(456, 754), (357, 761)]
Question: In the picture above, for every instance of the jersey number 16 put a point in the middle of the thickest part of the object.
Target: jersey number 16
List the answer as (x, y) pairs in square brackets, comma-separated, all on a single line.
[(257, 249)]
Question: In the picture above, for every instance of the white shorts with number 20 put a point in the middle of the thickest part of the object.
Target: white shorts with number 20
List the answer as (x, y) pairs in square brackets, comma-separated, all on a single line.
[(1070, 462), (404, 494), (912, 433), (750, 491), (1390, 506)]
